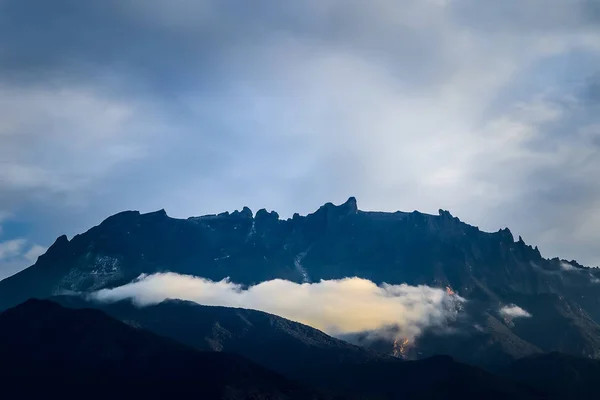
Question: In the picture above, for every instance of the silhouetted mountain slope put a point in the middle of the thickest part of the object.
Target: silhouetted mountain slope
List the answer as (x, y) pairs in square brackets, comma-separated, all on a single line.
[(52, 352), (489, 344), (68, 351), (293, 349), (491, 270), (437, 377), (567, 377)]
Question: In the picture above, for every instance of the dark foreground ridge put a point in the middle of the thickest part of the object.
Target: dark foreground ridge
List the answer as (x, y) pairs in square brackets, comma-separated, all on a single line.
[(49, 351), (298, 351)]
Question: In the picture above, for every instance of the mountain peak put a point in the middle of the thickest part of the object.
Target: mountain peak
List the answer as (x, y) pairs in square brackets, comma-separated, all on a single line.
[(263, 214), (62, 239), (348, 208), (444, 213), (60, 243), (121, 217), (351, 205), (245, 213), (159, 213)]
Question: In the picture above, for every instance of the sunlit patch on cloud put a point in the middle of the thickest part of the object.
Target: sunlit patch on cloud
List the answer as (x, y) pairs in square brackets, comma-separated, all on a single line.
[(335, 306)]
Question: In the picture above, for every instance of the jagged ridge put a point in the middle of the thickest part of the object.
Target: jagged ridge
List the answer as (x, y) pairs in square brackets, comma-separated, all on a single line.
[(489, 269)]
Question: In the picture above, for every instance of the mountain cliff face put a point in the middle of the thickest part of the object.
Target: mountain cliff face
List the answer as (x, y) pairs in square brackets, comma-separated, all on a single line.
[(490, 270)]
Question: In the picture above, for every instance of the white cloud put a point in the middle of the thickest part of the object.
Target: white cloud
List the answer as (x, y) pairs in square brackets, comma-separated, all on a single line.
[(565, 266), (336, 306), (514, 311)]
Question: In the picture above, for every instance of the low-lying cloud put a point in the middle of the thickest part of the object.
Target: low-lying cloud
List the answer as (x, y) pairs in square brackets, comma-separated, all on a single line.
[(514, 311), (337, 307), (570, 273), (565, 266)]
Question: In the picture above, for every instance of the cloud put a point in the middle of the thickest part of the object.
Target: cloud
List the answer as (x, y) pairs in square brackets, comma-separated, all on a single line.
[(565, 266), (486, 108), (514, 311), (335, 306), (3, 217), (569, 274), (45, 166)]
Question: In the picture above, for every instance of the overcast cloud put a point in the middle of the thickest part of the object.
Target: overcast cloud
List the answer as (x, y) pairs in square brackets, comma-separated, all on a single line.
[(486, 108)]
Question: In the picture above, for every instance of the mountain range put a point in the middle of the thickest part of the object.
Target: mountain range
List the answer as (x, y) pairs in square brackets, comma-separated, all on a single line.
[(521, 310)]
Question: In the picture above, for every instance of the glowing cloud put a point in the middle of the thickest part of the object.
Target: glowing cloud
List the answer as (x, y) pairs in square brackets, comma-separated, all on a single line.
[(335, 306)]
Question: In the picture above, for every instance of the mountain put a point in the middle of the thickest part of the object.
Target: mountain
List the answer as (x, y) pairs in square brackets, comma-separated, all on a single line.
[(490, 270), (50, 351), (290, 348), (303, 353), (85, 353), (563, 375)]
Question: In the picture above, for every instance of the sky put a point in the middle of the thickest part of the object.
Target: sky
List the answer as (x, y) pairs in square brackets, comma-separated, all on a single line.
[(487, 108)]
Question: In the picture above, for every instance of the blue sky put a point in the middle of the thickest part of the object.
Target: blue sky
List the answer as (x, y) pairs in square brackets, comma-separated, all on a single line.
[(486, 108)]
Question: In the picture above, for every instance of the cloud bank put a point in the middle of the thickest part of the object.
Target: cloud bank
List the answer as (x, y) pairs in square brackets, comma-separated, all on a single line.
[(514, 311), (337, 307)]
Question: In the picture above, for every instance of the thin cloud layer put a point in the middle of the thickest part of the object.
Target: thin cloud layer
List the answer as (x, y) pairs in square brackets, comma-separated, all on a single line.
[(335, 306)]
